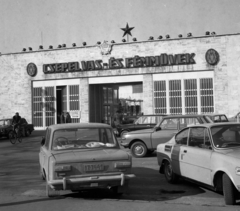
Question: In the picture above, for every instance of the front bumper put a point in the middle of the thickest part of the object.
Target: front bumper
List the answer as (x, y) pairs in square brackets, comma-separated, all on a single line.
[(112, 177)]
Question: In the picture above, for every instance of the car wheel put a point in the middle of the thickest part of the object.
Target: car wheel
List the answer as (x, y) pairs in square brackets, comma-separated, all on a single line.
[(51, 192), (138, 149), (229, 190), (123, 133), (170, 176), (116, 190)]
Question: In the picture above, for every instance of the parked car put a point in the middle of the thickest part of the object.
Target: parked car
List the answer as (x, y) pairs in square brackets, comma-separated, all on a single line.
[(129, 119), (235, 118), (6, 127), (83, 156), (143, 122), (208, 154), (141, 142), (218, 117)]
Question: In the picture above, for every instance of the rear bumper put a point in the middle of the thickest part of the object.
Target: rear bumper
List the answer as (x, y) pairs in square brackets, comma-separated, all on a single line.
[(121, 178)]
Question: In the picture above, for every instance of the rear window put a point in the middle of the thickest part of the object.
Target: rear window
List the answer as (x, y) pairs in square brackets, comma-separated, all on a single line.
[(83, 138)]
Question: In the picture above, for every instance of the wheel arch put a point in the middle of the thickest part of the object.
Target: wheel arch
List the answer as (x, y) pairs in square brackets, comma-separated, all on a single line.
[(136, 140), (164, 160)]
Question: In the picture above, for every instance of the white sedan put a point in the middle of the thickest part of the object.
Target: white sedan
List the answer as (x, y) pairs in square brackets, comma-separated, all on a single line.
[(208, 154)]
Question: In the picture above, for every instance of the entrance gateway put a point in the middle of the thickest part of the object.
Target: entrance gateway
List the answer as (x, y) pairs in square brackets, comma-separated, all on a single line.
[(172, 93), (51, 98)]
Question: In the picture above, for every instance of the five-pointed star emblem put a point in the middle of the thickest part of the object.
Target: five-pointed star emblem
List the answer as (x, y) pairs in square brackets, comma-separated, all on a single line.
[(127, 30)]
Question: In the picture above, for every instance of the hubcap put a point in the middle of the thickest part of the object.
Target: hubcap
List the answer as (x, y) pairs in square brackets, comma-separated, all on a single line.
[(139, 150)]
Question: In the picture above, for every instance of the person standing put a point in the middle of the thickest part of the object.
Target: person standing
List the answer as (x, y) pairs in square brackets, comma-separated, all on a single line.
[(16, 121), (68, 118)]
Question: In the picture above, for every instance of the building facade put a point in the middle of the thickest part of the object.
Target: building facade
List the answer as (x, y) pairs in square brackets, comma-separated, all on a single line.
[(177, 76)]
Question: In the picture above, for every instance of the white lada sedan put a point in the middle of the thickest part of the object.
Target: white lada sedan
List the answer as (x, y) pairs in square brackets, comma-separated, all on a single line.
[(208, 154), (82, 156)]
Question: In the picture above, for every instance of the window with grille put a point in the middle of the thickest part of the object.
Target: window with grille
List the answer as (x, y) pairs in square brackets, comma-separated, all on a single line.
[(184, 96), (37, 107), (206, 93), (175, 97), (160, 97), (190, 91)]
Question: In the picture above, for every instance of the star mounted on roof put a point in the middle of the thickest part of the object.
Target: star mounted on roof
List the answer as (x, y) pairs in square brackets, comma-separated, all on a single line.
[(127, 30)]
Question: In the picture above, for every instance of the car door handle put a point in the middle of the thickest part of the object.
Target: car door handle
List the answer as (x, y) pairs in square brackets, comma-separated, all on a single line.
[(185, 151)]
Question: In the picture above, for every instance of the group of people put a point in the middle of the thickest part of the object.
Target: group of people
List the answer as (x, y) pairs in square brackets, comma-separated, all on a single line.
[(64, 117)]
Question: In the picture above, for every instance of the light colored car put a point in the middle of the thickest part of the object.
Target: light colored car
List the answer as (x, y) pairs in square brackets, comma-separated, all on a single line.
[(82, 156), (141, 142), (208, 154)]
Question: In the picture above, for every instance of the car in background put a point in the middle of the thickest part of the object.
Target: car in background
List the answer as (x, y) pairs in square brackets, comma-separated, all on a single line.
[(6, 127), (218, 117), (143, 122), (141, 142), (83, 156), (208, 154), (129, 119), (235, 118)]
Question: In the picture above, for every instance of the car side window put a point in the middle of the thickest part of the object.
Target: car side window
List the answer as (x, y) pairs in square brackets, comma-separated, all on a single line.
[(169, 124), (182, 137), (47, 138), (224, 118), (196, 137)]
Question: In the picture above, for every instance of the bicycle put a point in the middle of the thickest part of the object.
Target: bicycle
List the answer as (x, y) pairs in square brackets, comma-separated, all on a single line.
[(16, 135)]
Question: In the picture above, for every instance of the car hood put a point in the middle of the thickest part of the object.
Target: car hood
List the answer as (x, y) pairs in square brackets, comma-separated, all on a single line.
[(90, 155), (151, 130)]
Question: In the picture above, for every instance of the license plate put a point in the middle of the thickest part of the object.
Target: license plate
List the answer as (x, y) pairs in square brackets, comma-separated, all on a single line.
[(93, 167)]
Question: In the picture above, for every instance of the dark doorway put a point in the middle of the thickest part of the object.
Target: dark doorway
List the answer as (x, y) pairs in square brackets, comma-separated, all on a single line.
[(60, 101), (104, 101)]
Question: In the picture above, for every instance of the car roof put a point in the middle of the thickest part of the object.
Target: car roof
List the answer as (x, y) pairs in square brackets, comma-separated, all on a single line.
[(184, 115), (213, 124), (154, 115), (215, 114), (79, 125)]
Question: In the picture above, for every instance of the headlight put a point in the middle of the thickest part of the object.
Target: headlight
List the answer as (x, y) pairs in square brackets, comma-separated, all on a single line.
[(124, 136), (237, 171)]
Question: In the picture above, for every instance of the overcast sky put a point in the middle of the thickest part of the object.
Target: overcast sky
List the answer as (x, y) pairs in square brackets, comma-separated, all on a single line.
[(30, 23)]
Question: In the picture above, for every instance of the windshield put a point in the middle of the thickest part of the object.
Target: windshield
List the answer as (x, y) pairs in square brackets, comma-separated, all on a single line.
[(83, 138), (226, 136)]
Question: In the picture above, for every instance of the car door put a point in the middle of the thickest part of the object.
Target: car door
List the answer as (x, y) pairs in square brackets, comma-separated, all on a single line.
[(169, 127), (44, 150), (195, 157)]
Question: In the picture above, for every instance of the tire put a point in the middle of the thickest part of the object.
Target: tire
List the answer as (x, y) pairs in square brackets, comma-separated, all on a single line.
[(170, 176), (138, 149), (229, 190), (50, 192), (123, 132), (12, 137)]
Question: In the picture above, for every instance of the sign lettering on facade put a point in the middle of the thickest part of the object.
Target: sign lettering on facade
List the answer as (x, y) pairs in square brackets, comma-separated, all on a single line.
[(118, 63)]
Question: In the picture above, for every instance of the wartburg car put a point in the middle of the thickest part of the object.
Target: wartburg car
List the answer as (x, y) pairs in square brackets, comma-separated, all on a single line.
[(208, 154), (82, 156), (141, 142)]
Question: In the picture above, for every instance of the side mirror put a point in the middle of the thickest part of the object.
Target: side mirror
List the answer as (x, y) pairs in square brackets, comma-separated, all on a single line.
[(158, 128), (43, 141)]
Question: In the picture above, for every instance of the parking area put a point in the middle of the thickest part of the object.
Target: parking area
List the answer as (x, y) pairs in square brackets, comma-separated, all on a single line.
[(19, 176)]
